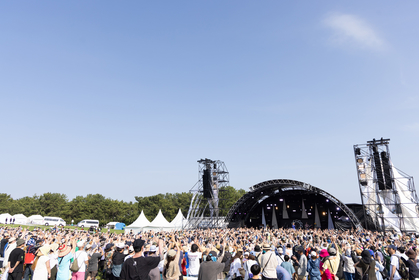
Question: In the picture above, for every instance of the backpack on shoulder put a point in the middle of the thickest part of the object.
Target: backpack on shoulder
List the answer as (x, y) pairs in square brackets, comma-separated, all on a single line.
[(74, 267), (359, 275), (339, 273), (404, 273)]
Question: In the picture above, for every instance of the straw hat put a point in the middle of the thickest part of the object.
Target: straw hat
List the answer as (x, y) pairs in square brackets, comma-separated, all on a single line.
[(53, 247), (44, 250), (63, 250), (266, 246), (171, 253)]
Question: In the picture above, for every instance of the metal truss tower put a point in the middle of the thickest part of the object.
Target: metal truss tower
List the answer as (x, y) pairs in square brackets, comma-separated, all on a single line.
[(204, 208), (388, 195)]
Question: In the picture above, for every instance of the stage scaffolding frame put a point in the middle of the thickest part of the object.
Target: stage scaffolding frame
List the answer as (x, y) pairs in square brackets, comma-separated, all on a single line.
[(380, 197), (204, 212)]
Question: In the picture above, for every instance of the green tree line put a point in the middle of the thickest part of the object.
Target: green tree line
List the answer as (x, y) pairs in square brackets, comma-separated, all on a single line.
[(98, 207)]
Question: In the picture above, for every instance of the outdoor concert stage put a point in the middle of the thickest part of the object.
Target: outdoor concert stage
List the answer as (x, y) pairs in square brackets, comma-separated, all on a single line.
[(281, 202)]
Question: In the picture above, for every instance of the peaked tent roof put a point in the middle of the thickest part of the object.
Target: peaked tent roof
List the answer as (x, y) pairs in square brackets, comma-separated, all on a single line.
[(19, 216), (141, 221), (177, 222), (4, 216), (35, 217), (160, 221), (20, 219)]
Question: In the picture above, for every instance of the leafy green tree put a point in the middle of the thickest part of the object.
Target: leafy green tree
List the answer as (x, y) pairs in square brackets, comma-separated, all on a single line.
[(96, 206), (6, 203), (227, 197), (53, 204), (27, 205)]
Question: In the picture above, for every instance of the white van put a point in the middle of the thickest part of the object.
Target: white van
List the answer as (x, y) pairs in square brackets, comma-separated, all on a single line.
[(88, 223), (53, 221)]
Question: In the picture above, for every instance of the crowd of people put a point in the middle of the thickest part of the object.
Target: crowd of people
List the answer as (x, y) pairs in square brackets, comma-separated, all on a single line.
[(208, 254)]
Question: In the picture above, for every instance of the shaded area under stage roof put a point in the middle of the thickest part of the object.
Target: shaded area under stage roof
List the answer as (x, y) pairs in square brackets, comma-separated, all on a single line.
[(250, 204)]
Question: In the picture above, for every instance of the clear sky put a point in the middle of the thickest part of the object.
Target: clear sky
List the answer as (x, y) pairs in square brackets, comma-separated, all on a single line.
[(123, 97)]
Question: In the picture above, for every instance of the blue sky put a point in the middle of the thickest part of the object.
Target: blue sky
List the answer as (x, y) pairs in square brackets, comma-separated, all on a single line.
[(123, 97)]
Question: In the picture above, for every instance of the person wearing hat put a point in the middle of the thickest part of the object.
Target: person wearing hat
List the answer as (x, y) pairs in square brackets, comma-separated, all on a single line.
[(268, 263), (212, 267), (313, 266), (279, 256), (9, 248), (333, 262), (118, 259), (65, 254), (366, 266), (15, 261), (53, 260), (348, 264), (171, 269), (41, 266), (108, 260), (138, 267), (154, 274), (394, 263), (82, 260), (3, 244), (324, 256)]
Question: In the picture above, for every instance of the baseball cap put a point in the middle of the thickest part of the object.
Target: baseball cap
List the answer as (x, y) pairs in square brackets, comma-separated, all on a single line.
[(392, 247), (138, 243)]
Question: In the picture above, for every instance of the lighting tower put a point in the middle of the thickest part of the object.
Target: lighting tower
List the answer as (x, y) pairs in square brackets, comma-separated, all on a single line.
[(388, 195), (204, 208)]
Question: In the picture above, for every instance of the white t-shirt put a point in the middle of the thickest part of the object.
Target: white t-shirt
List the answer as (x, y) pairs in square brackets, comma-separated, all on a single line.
[(234, 268), (81, 257), (53, 260), (247, 265), (288, 252), (280, 259), (194, 262), (394, 261)]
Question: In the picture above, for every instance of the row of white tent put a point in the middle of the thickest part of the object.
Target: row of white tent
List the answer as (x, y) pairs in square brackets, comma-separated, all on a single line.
[(21, 219), (140, 224), (158, 224)]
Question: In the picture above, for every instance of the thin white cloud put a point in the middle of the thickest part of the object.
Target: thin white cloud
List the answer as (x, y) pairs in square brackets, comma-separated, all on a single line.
[(351, 30)]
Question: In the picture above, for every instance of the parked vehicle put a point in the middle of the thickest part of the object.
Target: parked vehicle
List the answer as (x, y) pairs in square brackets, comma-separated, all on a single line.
[(115, 225), (88, 224), (53, 221), (111, 225)]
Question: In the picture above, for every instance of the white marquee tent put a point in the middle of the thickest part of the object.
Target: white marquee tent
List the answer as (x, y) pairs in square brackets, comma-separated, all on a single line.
[(139, 224), (5, 216), (178, 222), (20, 219), (159, 223), (35, 219)]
